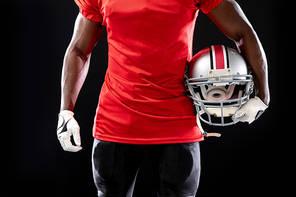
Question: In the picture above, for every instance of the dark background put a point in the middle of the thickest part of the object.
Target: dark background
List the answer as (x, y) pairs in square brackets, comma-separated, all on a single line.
[(248, 160)]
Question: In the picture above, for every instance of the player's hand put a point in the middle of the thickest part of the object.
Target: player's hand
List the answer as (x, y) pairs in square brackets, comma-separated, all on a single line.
[(67, 126), (252, 110)]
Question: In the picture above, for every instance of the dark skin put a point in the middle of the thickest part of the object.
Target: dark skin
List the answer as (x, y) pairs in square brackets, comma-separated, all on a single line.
[(228, 17), (231, 20)]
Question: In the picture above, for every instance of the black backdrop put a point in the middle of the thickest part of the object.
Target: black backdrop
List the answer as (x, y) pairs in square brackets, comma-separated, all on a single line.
[(247, 160)]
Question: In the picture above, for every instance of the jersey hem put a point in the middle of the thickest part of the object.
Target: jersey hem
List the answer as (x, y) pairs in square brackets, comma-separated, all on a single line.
[(146, 141)]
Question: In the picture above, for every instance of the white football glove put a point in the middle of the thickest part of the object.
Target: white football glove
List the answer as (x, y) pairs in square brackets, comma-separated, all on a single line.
[(252, 110), (67, 126)]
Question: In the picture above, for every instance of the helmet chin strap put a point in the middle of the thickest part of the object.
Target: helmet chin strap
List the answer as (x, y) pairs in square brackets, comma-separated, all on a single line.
[(204, 133)]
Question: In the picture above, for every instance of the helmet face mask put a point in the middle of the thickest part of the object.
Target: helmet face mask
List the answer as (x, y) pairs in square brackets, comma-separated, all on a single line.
[(218, 91)]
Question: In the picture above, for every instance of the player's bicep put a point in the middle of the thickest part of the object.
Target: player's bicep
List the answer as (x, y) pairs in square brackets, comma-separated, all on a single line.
[(230, 19), (85, 36)]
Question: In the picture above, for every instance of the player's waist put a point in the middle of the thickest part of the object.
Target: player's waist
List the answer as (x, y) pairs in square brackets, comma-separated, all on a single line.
[(141, 88)]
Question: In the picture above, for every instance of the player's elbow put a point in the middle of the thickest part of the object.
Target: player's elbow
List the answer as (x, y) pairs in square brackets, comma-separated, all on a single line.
[(244, 34), (76, 51), (238, 35)]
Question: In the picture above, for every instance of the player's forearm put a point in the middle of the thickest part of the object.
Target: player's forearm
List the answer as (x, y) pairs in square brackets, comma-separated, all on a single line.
[(76, 62), (230, 19), (74, 72), (253, 51)]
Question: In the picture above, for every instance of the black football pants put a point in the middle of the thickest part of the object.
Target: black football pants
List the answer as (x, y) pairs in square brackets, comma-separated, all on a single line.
[(176, 168)]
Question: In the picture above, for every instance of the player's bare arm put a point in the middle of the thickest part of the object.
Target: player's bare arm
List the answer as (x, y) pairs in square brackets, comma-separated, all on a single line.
[(76, 61), (231, 20), (142, 103)]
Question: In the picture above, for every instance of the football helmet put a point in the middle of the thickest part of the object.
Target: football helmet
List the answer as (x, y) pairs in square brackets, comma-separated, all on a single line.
[(219, 82)]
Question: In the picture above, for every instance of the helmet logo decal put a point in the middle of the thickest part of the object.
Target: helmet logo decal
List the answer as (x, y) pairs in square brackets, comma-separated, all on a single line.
[(219, 57)]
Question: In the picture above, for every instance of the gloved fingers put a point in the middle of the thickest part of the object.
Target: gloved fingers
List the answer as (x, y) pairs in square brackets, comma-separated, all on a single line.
[(74, 129), (62, 143), (68, 126), (66, 143), (76, 136), (253, 109), (239, 114)]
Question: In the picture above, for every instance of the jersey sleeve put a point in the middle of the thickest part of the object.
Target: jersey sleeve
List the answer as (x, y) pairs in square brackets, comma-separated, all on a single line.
[(207, 5), (90, 9)]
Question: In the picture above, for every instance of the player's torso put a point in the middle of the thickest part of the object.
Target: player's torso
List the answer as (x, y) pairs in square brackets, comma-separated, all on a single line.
[(149, 40)]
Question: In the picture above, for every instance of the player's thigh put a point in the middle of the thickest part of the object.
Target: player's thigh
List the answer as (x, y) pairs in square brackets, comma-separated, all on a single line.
[(177, 169), (115, 167)]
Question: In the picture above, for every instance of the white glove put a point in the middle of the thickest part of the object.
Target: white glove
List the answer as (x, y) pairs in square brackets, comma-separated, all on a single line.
[(67, 126), (252, 110)]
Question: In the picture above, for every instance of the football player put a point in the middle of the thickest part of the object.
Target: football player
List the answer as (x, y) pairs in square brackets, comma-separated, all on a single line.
[(142, 106)]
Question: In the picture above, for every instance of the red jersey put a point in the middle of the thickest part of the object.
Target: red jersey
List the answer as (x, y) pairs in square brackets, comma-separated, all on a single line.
[(142, 100)]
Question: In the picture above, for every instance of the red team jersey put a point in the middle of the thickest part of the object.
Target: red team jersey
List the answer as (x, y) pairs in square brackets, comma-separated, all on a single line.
[(142, 100)]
